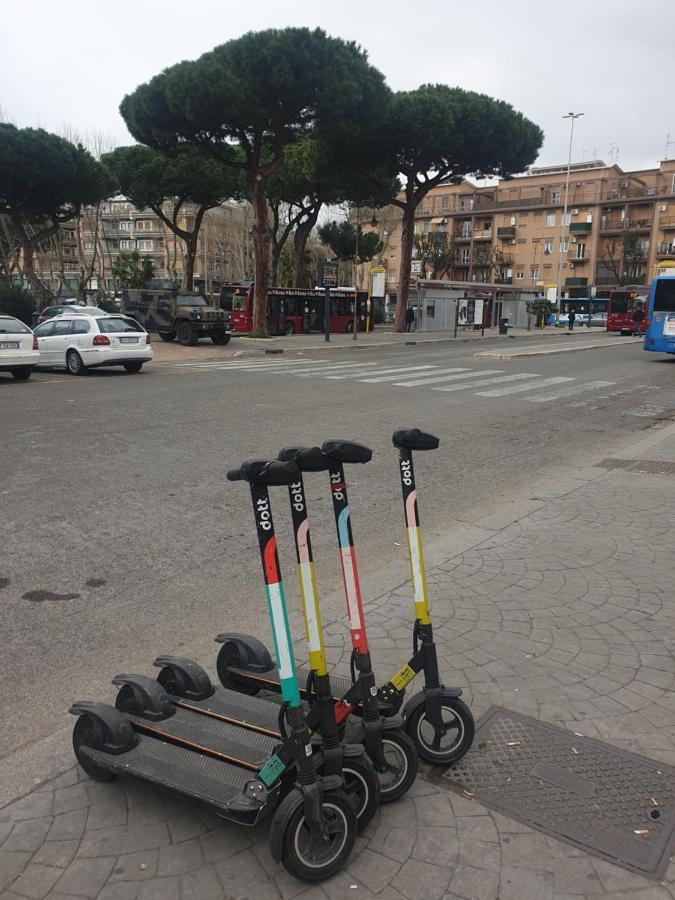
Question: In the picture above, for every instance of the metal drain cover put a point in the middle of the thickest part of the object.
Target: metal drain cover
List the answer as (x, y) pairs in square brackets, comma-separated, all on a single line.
[(612, 803), (641, 466)]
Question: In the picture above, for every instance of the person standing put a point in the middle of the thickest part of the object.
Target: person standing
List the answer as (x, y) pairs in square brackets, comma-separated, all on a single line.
[(571, 318), (638, 319), (409, 318)]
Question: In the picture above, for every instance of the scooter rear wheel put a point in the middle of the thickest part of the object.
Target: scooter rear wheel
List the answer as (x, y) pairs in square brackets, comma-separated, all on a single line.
[(315, 860), (229, 655), (448, 748), (401, 758), (87, 733)]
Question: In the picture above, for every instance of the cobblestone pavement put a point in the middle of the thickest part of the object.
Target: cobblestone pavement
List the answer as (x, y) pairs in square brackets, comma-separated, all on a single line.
[(564, 611)]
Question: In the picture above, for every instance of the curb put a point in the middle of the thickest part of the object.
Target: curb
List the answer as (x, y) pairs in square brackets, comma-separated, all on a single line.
[(544, 351)]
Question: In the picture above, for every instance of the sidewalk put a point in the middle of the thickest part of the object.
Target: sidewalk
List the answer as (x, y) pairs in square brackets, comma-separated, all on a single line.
[(562, 607), (381, 337)]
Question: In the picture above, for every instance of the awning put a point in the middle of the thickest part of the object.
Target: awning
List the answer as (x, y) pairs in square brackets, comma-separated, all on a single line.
[(436, 221)]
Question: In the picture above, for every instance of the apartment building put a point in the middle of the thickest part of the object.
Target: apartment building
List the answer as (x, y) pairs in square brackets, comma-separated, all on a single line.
[(225, 250), (619, 226)]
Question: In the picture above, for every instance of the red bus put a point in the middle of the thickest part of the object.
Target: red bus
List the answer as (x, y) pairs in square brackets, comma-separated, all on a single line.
[(622, 304), (296, 310)]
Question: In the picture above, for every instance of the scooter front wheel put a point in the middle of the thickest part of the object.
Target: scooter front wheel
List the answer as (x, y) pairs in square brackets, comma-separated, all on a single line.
[(401, 761), (317, 858), (362, 787), (442, 750)]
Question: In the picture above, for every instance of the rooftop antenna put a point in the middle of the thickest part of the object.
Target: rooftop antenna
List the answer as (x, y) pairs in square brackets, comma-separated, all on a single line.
[(669, 144)]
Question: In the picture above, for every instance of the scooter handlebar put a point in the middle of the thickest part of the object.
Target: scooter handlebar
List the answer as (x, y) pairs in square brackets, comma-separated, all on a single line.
[(265, 472), (414, 439), (347, 451), (307, 459)]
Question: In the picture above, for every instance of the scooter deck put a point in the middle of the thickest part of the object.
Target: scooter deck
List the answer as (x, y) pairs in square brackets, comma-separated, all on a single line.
[(238, 709), (206, 734), (194, 775), (269, 680)]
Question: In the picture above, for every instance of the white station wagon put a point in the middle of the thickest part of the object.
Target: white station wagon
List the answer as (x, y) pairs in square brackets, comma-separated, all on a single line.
[(18, 348), (81, 342)]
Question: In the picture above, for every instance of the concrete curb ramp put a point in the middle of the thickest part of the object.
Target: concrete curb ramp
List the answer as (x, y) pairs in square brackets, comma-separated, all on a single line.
[(547, 351)]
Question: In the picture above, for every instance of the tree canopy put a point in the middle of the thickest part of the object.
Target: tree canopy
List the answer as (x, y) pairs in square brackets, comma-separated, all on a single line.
[(256, 94), (164, 182)]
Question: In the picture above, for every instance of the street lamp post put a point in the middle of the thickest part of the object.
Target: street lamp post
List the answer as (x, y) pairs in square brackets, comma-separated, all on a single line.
[(571, 116)]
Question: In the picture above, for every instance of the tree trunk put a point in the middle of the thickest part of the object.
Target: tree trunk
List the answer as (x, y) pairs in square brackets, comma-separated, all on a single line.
[(407, 238), (42, 295), (190, 256), (261, 242), (300, 238)]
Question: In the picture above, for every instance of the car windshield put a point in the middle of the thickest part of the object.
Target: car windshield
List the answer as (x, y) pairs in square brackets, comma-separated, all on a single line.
[(113, 326), (196, 300), (13, 326)]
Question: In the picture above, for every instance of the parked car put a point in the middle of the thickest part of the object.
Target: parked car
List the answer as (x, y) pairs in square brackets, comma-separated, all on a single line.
[(19, 352), (80, 342), (599, 320), (50, 311), (83, 311)]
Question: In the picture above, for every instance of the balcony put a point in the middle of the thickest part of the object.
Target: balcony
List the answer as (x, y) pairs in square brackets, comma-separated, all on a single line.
[(576, 282), (462, 235), (667, 223), (482, 235), (504, 279), (619, 225), (581, 227), (665, 251), (508, 231)]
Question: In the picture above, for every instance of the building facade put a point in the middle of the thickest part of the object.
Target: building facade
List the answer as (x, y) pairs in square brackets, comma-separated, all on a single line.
[(619, 226)]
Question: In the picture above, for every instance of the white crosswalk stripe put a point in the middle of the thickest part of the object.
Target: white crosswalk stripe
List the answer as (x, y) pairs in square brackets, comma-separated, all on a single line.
[(398, 369), (519, 388), (441, 378), (383, 378), (337, 367), (474, 384), (570, 391)]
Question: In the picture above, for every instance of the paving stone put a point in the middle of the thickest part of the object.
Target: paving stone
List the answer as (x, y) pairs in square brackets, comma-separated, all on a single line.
[(614, 878), (578, 877), (152, 836), (525, 851), (123, 890), (396, 843), (474, 884), (61, 781), (36, 881), (12, 864), (240, 874), (56, 853), (34, 806), (5, 828), (28, 835), (436, 845), (518, 884), (479, 828), (68, 798), (434, 810), (112, 811), (180, 858), (104, 842), (139, 866), (287, 886), (483, 854), (85, 877), (422, 881), (182, 828), (201, 885), (160, 889), (222, 844), (373, 870), (68, 826)]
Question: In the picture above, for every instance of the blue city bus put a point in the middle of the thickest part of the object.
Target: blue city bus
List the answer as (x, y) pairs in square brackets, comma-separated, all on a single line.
[(660, 335)]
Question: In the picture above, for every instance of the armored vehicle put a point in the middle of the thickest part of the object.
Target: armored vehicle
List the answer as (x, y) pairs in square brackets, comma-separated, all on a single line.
[(175, 314)]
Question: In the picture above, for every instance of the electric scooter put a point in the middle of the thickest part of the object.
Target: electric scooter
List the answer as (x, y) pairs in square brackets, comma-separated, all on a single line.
[(244, 662), (223, 764), (431, 715)]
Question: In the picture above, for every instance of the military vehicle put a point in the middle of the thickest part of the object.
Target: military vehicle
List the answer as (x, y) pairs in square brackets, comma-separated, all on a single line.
[(175, 314)]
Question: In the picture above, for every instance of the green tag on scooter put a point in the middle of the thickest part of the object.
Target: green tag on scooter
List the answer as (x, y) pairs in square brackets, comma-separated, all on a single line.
[(272, 771)]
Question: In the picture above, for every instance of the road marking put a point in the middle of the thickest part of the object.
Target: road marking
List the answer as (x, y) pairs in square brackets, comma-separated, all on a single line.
[(336, 367), (267, 364), (519, 388), (381, 372), (394, 377), (570, 391), (434, 380), (474, 384)]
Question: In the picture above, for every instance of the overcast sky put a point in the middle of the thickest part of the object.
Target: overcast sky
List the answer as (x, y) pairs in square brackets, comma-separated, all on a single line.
[(70, 62)]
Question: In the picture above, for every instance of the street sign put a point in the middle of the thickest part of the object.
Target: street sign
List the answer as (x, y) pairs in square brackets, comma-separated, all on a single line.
[(416, 267), (377, 288), (329, 274)]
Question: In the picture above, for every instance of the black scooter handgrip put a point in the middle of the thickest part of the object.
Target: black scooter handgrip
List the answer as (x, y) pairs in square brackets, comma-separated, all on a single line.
[(414, 439), (235, 475), (347, 451), (312, 459), (277, 472), (247, 471)]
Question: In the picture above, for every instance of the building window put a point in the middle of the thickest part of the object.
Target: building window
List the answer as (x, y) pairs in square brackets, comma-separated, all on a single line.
[(672, 186), (580, 251), (466, 256), (567, 218), (555, 197), (550, 220), (125, 226), (88, 245), (416, 227), (520, 276), (534, 273), (391, 277), (445, 202), (548, 246), (564, 245), (127, 245), (466, 229), (144, 225), (145, 245)]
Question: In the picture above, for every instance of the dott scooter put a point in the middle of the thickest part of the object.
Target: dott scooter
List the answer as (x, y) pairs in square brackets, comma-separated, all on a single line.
[(244, 662), (435, 713), (314, 827)]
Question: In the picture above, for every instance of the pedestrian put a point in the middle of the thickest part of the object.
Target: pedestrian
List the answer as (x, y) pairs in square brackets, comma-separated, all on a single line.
[(571, 317), (409, 318), (638, 319)]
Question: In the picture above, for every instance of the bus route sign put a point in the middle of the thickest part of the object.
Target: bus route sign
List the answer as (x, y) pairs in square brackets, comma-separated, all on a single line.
[(329, 274)]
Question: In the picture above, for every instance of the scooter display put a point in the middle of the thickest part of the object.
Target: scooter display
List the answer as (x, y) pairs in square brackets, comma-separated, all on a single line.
[(241, 772), (244, 662), (439, 722)]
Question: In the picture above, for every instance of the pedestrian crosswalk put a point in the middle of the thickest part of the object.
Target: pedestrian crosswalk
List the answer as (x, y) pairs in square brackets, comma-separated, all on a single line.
[(484, 383)]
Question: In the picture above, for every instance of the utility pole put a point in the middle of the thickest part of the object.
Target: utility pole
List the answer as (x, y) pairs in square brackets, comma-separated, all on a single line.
[(571, 116)]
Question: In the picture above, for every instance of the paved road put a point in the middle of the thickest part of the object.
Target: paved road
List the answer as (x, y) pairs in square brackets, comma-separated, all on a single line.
[(121, 539)]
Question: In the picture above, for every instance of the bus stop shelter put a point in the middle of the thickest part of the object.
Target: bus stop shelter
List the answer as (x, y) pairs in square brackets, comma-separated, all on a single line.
[(440, 305)]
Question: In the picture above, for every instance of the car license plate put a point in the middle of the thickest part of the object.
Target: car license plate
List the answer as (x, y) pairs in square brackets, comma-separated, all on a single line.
[(124, 340), (9, 345)]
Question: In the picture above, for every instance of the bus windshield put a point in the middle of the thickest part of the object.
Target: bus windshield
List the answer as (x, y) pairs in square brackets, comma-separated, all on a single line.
[(664, 295)]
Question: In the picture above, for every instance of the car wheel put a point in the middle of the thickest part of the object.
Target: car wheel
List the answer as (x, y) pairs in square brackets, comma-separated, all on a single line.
[(133, 366), (167, 335), (186, 334), (221, 339), (350, 326), (21, 374), (74, 363)]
